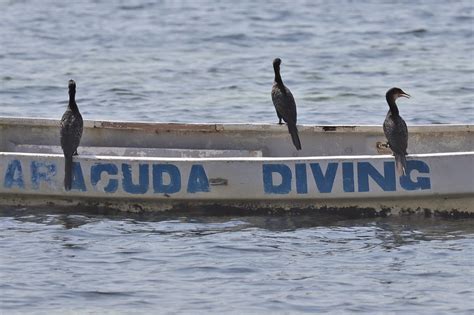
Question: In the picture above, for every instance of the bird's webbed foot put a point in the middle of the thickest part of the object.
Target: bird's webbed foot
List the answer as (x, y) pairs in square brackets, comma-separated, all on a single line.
[(383, 147)]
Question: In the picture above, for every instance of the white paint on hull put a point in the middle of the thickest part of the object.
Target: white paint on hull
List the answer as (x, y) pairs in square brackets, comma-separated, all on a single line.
[(155, 166)]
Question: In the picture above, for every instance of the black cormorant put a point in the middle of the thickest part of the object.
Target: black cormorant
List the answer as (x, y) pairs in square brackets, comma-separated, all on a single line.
[(285, 104), (71, 133), (396, 130)]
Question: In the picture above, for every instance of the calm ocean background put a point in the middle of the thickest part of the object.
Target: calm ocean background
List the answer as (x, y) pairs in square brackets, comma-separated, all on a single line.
[(211, 61)]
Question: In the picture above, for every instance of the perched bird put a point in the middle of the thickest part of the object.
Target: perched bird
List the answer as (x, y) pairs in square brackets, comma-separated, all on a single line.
[(71, 133), (285, 104), (396, 130)]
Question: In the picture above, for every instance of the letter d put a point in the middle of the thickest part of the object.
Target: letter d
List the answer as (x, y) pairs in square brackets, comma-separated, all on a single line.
[(284, 171)]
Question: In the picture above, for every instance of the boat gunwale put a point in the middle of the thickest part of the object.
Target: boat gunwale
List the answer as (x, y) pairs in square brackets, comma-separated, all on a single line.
[(238, 159), (228, 127)]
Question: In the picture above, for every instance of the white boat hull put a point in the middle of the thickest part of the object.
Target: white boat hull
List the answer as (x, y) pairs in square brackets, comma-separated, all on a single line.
[(442, 182), (319, 182)]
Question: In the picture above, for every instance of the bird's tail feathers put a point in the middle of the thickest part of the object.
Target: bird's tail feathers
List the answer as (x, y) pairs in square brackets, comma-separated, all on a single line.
[(294, 136), (68, 172), (401, 162)]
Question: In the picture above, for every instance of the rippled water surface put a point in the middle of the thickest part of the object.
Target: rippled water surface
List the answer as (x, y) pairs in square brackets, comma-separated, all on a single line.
[(210, 61), (58, 262)]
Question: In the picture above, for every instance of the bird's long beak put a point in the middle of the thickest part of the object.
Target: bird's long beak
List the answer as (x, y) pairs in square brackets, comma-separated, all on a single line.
[(405, 95)]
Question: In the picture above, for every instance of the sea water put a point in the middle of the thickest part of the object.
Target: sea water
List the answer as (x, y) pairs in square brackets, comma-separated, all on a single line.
[(211, 61)]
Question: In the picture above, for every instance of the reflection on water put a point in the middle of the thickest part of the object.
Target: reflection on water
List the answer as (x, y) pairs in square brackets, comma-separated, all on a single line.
[(207, 61), (280, 263)]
